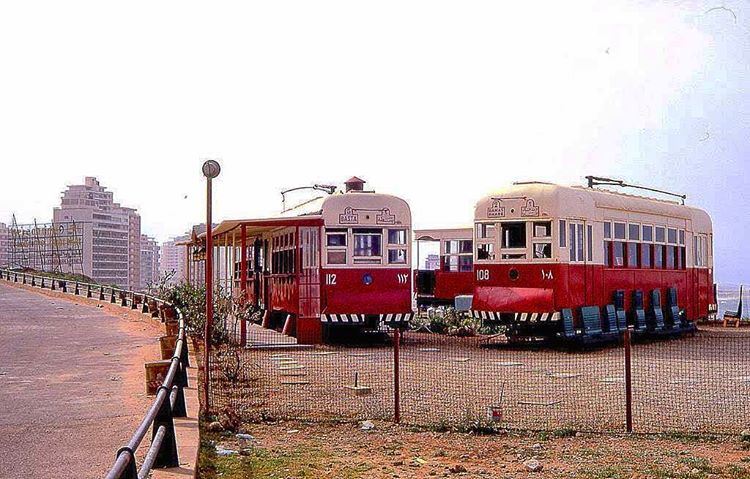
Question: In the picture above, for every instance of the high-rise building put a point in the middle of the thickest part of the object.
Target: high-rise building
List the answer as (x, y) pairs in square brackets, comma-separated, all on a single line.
[(150, 260), (174, 259), (111, 233)]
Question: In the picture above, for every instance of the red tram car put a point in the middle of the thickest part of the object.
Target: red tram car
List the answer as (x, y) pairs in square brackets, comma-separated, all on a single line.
[(439, 280), (342, 263), (545, 253)]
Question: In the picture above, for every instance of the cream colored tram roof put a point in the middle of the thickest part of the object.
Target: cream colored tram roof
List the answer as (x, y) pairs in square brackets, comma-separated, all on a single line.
[(555, 201), (437, 234)]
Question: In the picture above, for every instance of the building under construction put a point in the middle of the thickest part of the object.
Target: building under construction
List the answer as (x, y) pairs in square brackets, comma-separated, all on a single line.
[(52, 247)]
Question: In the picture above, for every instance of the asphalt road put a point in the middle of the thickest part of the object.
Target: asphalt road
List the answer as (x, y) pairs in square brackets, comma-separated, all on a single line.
[(71, 384)]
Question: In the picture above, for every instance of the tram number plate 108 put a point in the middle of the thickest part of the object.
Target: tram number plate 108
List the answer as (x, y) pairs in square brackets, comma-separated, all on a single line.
[(483, 274)]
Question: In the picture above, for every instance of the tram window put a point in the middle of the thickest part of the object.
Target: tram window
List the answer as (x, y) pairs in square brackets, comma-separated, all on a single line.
[(632, 255), (672, 236), (658, 256), (619, 254), (450, 263), (648, 233), (451, 246), (660, 234), (397, 256), (367, 242), (607, 230), (634, 232), (620, 231), (465, 263), (645, 256), (670, 263), (590, 242), (561, 232), (683, 258), (464, 246), (607, 253), (543, 229), (682, 237), (513, 256), (335, 238), (513, 235), (542, 250), (396, 236), (337, 256), (486, 251), (485, 230), (579, 243), (572, 234)]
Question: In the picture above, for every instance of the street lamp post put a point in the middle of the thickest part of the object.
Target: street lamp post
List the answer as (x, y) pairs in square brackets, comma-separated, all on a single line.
[(211, 170)]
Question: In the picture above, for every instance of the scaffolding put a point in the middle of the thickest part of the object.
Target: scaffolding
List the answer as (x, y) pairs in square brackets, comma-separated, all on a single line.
[(50, 247)]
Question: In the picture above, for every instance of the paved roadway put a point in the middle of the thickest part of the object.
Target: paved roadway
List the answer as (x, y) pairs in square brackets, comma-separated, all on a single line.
[(71, 384)]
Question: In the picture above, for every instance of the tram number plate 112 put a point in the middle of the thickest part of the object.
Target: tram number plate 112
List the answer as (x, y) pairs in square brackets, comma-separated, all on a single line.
[(331, 278)]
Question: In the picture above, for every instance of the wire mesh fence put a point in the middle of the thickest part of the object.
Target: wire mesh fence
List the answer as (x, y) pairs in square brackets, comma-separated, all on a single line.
[(698, 384)]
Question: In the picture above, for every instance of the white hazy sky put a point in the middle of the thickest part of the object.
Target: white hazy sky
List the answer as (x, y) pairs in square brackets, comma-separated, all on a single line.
[(438, 102)]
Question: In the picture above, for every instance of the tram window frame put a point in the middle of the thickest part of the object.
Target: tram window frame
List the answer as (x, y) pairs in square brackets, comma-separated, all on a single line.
[(660, 232), (401, 238), (633, 258), (672, 236), (546, 252), (337, 254), (400, 258), (590, 241), (646, 248), (486, 231), (576, 242), (508, 228), (647, 238), (367, 258), (608, 254), (546, 225), (561, 232), (634, 232), (682, 237), (670, 257), (463, 265), (457, 248), (658, 259), (621, 247), (607, 230), (485, 251), (619, 231)]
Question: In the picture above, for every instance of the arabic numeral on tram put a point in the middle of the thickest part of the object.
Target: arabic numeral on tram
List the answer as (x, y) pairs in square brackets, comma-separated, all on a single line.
[(483, 274)]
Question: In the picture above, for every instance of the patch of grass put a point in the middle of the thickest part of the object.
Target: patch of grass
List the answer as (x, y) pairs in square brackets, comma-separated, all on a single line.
[(608, 472)]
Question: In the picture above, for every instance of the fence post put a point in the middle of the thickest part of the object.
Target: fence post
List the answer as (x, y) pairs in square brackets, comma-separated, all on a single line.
[(64, 286), (131, 472), (78, 289), (167, 455), (52, 285), (628, 384), (396, 376), (144, 306), (101, 293), (113, 299), (88, 290), (133, 304)]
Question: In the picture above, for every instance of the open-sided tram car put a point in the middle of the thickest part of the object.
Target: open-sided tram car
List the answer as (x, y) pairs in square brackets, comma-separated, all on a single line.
[(451, 274), (583, 263), (343, 263)]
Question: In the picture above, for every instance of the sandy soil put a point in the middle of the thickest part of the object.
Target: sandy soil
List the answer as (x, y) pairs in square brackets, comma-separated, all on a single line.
[(296, 450)]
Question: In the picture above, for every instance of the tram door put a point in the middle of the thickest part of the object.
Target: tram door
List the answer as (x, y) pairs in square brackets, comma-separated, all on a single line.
[(581, 270), (309, 329)]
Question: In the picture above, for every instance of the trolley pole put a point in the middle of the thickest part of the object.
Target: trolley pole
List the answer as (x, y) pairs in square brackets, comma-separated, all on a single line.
[(396, 376), (211, 170), (628, 384)]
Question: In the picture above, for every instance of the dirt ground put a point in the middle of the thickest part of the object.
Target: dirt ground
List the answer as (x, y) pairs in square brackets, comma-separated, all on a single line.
[(696, 384), (304, 450)]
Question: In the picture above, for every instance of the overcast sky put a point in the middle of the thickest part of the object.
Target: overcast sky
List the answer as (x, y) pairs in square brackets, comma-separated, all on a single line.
[(438, 102)]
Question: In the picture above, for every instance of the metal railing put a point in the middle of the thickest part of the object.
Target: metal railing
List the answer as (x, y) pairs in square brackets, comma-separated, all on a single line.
[(169, 402)]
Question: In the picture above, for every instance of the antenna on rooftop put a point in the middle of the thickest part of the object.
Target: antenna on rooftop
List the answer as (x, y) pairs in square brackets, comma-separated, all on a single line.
[(602, 181)]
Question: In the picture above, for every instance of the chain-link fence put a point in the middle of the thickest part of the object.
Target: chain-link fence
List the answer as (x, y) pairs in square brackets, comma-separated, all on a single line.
[(696, 384)]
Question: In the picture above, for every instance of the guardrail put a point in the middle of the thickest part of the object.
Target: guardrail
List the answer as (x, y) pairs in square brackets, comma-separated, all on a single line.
[(170, 398)]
